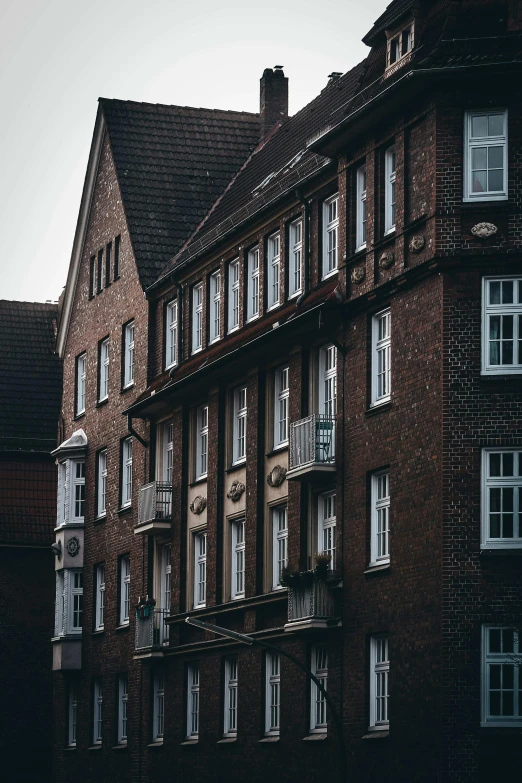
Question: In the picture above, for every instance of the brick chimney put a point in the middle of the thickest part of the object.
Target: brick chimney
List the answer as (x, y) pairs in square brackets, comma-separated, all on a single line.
[(273, 98)]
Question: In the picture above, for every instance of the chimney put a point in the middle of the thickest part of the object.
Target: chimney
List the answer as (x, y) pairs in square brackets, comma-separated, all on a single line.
[(273, 98)]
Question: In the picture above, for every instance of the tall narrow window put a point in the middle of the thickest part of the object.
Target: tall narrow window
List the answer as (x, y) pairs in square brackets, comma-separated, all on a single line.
[(97, 729), (501, 677), (77, 469), (237, 587), (201, 441), (171, 335), (200, 569), (379, 693), (230, 716), (381, 357), (158, 707), (272, 693), (319, 667), (124, 589), (239, 428), (81, 374), (501, 498), (380, 522), (327, 522), (502, 326), (75, 600), (279, 544), (330, 235), (123, 698), (101, 488), (104, 370), (193, 701), (485, 156), (126, 477), (99, 598), (117, 245), (128, 355), (197, 317), (281, 394), (99, 276), (72, 715), (360, 230), (389, 189), (92, 276), (108, 262), (295, 257), (253, 284), (233, 295), (215, 306), (274, 255), (328, 381)]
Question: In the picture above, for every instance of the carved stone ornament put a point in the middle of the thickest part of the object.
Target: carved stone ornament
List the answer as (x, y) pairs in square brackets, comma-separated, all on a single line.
[(198, 505), (276, 476), (73, 546), (236, 490), (387, 259), (417, 243), (358, 274), (484, 230)]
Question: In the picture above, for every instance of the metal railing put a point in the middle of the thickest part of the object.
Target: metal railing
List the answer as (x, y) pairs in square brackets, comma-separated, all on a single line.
[(155, 502), (312, 440), (307, 602), (152, 630)]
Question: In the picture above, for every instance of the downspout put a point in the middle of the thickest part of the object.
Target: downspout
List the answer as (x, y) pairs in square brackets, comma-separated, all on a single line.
[(306, 246)]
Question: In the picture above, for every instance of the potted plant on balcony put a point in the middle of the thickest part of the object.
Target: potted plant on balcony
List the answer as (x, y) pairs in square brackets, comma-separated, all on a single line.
[(322, 564), (145, 607), (293, 578)]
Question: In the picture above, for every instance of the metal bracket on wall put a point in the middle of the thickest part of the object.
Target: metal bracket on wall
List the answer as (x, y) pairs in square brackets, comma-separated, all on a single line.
[(134, 433)]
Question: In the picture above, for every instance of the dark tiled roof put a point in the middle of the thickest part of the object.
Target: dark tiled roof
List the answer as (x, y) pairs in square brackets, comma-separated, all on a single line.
[(392, 13), (27, 500), (172, 164), (30, 377)]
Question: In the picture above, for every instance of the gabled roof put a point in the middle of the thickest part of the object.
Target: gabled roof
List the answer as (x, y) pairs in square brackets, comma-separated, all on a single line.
[(30, 377), (392, 14)]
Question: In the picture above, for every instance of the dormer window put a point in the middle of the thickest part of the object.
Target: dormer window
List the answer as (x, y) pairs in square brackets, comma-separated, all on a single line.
[(400, 43)]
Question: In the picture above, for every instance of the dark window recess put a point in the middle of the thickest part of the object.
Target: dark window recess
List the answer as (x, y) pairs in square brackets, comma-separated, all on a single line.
[(117, 243), (100, 271), (92, 277), (108, 254)]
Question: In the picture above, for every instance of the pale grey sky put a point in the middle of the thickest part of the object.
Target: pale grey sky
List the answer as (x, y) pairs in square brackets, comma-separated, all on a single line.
[(58, 56)]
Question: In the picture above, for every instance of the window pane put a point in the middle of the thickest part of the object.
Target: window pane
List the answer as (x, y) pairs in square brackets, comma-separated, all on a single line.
[(494, 327), (507, 464), (496, 125), (479, 181), (479, 126), (495, 158), (496, 180), (479, 158), (494, 292), (494, 703), (494, 676), (494, 640), (507, 292)]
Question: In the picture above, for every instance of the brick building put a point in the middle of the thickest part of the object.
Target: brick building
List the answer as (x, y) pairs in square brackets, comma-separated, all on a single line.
[(310, 326)]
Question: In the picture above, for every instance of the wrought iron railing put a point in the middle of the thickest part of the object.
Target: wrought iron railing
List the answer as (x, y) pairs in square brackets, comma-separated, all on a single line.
[(151, 629), (312, 440), (155, 502), (308, 602)]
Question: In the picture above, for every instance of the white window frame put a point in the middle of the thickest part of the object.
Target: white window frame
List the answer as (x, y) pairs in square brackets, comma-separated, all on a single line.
[(318, 706), (402, 50), (68, 602), (71, 492), (158, 708), (126, 473), (274, 270), (215, 307), (328, 382), (230, 697), (81, 383), (497, 658), (239, 434), (381, 357), (281, 405), (101, 488), (295, 258), (171, 335), (233, 295), (390, 173), (78, 490), (379, 683), (380, 518), (501, 483), (237, 559), (330, 236), (128, 365), (197, 318), (125, 574), (104, 370), (361, 210), (279, 543), (253, 284), (502, 310), (201, 442), (471, 143), (99, 602), (97, 728), (200, 569), (72, 716), (327, 525), (272, 694), (192, 701), (123, 700)]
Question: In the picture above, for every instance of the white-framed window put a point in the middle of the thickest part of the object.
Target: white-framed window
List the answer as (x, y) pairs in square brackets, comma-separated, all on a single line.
[(71, 492), (272, 693), (237, 581), (328, 381), (197, 318), (69, 602), (360, 218), (97, 728), (485, 155), (379, 689), (230, 700), (101, 488), (253, 284), (81, 374), (200, 569), (215, 307), (502, 325), (123, 698), (171, 335), (399, 45), (124, 590), (381, 357), (126, 478), (104, 370), (99, 597), (380, 518), (295, 256), (128, 355), (330, 235), (233, 295), (281, 396), (78, 499), (192, 701), (389, 189), (166, 577), (72, 715), (319, 667), (239, 425), (164, 452), (273, 266), (501, 677), (279, 544), (501, 498), (201, 441), (76, 601), (158, 707), (326, 525)]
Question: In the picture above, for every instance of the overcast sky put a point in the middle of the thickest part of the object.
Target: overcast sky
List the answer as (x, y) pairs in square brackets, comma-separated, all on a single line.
[(58, 56)]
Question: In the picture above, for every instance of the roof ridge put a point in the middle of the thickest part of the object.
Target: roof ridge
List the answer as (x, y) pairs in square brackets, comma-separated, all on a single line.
[(101, 99), (53, 305)]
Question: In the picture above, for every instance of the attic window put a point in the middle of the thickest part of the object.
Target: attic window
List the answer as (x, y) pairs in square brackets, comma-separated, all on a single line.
[(400, 44)]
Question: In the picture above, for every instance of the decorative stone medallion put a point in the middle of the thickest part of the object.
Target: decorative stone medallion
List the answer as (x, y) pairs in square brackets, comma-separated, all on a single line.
[(484, 230), (276, 476), (198, 505), (236, 490), (358, 274), (73, 546), (417, 243), (387, 259)]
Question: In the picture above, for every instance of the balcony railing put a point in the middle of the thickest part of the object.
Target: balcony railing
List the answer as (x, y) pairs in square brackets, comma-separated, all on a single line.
[(152, 630), (155, 503), (310, 605), (312, 443)]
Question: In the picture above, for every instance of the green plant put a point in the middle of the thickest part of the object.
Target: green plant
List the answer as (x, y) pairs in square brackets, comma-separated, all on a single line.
[(322, 560)]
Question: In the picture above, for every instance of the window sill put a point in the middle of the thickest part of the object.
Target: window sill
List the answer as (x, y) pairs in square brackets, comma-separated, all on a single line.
[(270, 738), (122, 627), (378, 407), (201, 480), (101, 403), (98, 632), (501, 375), (387, 234), (483, 199), (320, 735), (127, 388), (227, 740), (501, 552), (95, 747), (120, 746), (69, 748), (102, 518), (295, 295), (376, 734), (236, 466), (79, 416), (376, 567), (124, 509), (155, 744), (277, 450), (188, 743), (329, 275)]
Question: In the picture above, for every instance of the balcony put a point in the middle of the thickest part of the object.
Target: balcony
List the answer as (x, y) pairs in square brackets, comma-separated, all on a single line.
[(312, 448), (310, 606), (152, 632), (154, 508)]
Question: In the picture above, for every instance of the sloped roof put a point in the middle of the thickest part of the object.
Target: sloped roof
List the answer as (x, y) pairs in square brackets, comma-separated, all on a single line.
[(172, 163), (30, 377), (392, 13)]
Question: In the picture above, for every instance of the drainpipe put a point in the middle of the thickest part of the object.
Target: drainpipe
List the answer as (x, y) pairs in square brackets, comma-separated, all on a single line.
[(306, 246)]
